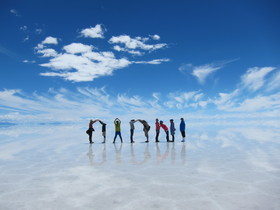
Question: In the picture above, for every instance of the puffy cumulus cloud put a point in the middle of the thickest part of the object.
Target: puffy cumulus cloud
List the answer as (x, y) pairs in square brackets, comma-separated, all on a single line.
[(93, 32), (50, 40), (87, 66), (77, 48), (135, 43), (254, 78), (47, 52), (155, 37), (80, 62)]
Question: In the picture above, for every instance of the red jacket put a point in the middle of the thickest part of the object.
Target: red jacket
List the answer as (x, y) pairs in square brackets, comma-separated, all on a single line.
[(165, 128), (157, 126)]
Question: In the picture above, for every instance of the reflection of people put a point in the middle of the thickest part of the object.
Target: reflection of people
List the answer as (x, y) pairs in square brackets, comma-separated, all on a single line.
[(145, 129), (117, 123), (103, 130), (157, 130), (172, 129), (90, 130), (182, 129), (132, 130), (165, 128), (146, 158), (118, 156)]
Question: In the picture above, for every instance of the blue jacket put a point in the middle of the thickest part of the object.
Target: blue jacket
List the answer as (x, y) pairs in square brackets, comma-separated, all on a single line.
[(182, 125)]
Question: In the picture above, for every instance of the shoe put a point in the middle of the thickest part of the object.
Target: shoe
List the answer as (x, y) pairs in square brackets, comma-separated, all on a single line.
[(183, 141), (146, 141), (132, 142), (157, 141), (113, 142), (103, 142)]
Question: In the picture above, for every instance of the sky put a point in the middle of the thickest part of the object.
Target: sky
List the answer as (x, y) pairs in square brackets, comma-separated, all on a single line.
[(70, 61)]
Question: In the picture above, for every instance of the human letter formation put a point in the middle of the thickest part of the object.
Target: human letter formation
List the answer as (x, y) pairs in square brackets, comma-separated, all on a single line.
[(146, 128)]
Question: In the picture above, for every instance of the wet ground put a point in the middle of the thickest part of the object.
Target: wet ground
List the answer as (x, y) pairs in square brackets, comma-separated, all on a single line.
[(54, 167)]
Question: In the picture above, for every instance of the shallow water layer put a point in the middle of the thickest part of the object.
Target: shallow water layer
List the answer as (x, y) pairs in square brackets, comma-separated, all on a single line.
[(54, 167)]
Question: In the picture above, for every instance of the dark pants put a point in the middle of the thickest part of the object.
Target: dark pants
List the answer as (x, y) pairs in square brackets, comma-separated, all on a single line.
[(167, 135), (118, 133), (183, 134), (157, 134), (173, 138), (131, 134), (89, 132)]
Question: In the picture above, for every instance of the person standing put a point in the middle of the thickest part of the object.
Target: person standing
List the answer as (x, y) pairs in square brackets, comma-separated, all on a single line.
[(117, 123), (165, 128), (131, 123), (145, 129), (172, 130), (157, 129), (182, 129), (90, 130), (103, 130)]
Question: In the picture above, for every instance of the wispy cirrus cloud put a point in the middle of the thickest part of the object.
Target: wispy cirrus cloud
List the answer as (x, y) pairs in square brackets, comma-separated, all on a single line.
[(254, 78), (202, 72)]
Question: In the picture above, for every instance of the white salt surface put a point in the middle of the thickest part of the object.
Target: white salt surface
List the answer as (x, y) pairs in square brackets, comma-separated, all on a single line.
[(54, 167)]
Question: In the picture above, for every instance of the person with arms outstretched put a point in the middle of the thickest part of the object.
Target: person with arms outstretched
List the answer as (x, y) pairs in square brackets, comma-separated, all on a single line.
[(165, 128), (157, 129), (145, 129), (172, 130), (117, 123), (182, 129), (90, 130)]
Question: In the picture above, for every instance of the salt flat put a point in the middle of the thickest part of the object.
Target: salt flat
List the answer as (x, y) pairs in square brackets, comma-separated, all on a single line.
[(54, 167)]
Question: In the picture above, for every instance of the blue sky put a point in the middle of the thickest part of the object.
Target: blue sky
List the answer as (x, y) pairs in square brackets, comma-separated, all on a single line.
[(70, 60)]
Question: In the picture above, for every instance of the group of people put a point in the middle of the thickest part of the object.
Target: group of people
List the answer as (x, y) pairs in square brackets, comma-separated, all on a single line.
[(146, 129)]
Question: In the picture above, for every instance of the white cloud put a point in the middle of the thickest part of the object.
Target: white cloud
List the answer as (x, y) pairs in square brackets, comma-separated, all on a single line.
[(155, 37), (134, 100), (23, 28), (182, 100), (28, 61), (87, 67), (254, 77), (155, 61), (26, 38), (93, 32), (259, 103), (121, 49), (202, 72), (274, 82), (47, 52), (50, 40), (38, 31), (135, 43), (79, 62), (15, 12), (75, 48)]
